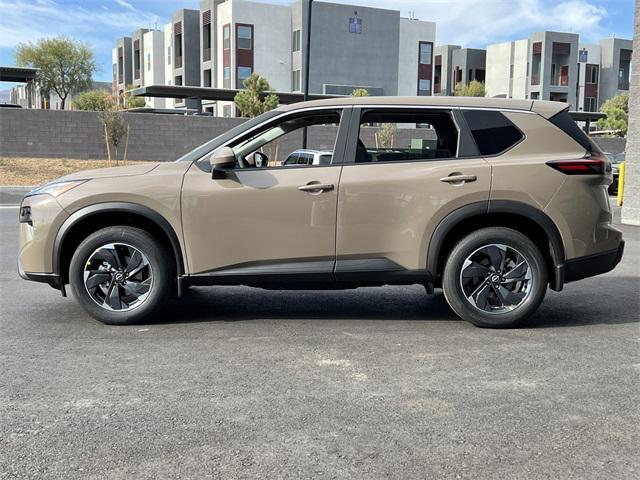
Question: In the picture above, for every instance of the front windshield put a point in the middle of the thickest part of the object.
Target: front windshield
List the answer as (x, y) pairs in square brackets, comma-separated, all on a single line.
[(216, 142)]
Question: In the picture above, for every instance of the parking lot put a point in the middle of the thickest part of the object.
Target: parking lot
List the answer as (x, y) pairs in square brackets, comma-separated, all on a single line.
[(369, 383)]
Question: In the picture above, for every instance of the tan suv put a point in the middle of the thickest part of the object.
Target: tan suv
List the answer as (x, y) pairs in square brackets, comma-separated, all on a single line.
[(491, 200)]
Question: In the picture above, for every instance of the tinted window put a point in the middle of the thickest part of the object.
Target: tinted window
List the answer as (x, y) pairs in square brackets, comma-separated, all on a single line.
[(492, 131), (565, 123), (390, 135)]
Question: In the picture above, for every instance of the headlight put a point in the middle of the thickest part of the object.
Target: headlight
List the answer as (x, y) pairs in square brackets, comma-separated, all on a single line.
[(56, 188)]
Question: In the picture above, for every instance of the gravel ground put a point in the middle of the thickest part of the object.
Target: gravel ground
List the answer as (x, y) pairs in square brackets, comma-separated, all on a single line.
[(370, 383)]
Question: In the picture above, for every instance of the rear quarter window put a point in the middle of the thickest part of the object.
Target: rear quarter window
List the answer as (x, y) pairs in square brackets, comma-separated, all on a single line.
[(568, 125), (492, 131)]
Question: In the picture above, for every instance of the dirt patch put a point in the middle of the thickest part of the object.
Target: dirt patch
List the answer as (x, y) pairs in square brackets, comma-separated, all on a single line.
[(36, 171)]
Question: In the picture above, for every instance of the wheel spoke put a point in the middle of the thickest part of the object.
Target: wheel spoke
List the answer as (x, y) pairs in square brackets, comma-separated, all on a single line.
[(113, 297), (481, 296), (137, 288), (96, 277), (508, 298), (135, 263), (475, 270), (516, 273), (496, 256), (109, 254)]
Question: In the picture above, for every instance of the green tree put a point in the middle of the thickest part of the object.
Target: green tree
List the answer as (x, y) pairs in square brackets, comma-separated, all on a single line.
[(472, 89), (94, 100), (255, 99), (360, 92), (66, 66), (130, 101), (616, 110)]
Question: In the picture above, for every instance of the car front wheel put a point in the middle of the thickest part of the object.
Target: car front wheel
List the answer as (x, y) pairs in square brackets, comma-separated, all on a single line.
[(121, 275), (495, 277)]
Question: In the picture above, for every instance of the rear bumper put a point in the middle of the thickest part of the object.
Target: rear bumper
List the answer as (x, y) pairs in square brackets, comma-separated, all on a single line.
[(591, 265)]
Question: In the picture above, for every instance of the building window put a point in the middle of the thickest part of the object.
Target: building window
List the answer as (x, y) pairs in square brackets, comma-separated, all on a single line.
[(226, 37), (226, 111), (148, 61), (591, 75), (424, 87), (226, 77), (169, 55), (425, 53), (355, 25), (206, 78), (245, 34), (206, 36), (243, 74), (511, 71), (178, 80), (295, 81), (590, 104), (295, 42)]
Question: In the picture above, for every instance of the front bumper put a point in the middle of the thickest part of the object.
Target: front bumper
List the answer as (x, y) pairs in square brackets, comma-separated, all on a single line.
[(591, 265), (51, 279)]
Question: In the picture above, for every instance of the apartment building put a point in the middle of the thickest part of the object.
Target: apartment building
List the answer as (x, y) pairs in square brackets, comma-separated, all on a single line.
[(137, 53), (122, 66), (555, 66), (225, 41), (442, 61)]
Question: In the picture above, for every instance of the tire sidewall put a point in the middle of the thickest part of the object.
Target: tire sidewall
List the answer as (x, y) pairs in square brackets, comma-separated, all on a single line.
[(453, 289), (145, 243)]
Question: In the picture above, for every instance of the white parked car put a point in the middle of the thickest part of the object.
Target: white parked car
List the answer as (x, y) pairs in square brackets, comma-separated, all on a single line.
[(308, 157)]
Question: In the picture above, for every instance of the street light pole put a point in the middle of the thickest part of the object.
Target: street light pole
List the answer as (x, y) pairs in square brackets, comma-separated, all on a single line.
[(306, 68)]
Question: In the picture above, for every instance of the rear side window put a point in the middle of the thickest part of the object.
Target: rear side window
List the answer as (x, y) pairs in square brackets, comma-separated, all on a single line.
[(565, 123), (492, 131)]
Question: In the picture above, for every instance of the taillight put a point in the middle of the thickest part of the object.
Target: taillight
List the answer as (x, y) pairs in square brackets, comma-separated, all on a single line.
[(595, 165)]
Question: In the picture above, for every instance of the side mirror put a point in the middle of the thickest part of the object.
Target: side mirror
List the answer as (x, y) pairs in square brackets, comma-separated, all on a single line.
[(221, 161)]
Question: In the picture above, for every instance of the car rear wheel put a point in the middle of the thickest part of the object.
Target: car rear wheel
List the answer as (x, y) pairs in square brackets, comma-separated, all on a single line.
[(495, 277), (121, 275)]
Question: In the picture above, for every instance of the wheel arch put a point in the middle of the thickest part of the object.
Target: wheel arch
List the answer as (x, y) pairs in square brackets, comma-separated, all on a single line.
[(525, 218), (93, 217)]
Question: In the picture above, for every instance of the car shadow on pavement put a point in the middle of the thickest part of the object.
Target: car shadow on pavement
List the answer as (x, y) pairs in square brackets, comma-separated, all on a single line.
[(243, 303), (581, 304)]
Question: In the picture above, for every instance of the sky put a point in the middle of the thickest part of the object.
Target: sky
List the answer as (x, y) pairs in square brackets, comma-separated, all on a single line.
[(470, 23)]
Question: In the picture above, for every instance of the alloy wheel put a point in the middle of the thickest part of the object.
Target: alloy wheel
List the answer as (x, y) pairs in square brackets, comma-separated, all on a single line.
[(118, 276), (496, 278)]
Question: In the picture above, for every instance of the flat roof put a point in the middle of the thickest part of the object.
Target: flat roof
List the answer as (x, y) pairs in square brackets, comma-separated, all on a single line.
[(206, 93), (18, 74)]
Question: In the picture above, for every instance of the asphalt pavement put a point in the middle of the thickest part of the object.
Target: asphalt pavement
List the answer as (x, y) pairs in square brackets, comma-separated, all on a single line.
[(368, 383)]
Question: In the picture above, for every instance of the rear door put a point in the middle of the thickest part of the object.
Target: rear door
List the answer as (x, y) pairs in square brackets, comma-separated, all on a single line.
[(405, 170)]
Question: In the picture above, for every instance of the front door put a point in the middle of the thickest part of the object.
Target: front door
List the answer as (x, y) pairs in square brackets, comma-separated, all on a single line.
[(272, 220), (404, 177)]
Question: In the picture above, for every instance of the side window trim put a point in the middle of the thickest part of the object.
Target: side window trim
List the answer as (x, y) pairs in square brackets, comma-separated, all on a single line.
[(354, 131)]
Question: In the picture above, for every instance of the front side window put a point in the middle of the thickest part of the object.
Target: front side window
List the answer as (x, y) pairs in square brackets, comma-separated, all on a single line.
[(245, 35), (492, 131), (281, 144), (406, 135)]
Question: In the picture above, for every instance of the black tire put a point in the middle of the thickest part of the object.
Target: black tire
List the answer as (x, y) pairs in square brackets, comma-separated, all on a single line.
[(490, 311), (160, 265)]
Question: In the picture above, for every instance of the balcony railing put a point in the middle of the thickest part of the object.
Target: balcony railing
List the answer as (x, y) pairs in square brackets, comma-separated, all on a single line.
[(179, 62), (535, 79), (623, 85), (206, 54)]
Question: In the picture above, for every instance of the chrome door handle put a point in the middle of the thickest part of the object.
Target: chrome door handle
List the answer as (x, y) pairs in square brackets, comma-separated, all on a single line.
[(316, 187), (459, 178)]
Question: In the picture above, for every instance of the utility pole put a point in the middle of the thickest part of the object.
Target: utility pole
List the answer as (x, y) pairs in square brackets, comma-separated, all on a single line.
[(307, 64)]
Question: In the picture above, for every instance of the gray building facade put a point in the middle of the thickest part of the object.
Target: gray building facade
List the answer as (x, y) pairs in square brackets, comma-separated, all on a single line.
[(352, 47), (552, 66), (615, 67), (442, 61), (137, 57), (467, 64), (122, 75)]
